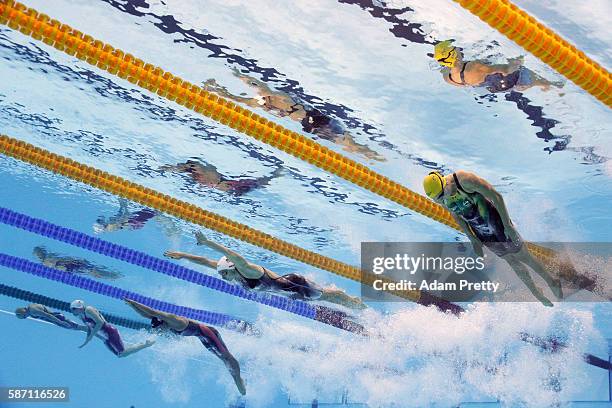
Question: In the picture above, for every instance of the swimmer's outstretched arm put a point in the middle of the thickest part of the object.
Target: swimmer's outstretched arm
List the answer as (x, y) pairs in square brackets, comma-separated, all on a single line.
[(174, 321), (146, 311), (246, 269), (193, 258), (39, 311)]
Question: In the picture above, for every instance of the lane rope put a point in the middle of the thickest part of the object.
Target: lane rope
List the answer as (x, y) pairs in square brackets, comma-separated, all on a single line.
[(520, 27)]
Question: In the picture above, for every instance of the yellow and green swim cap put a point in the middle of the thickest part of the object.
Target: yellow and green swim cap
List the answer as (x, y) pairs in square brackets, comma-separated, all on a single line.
[(434, 184), (445, 53)]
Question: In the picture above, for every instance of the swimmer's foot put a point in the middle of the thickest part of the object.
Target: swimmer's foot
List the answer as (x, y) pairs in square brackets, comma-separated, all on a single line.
[(240, 384), (557, 289), (546, 302), (234, 369)]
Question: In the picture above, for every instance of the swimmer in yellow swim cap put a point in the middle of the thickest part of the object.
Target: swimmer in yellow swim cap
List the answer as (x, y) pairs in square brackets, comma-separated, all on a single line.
[(481, 74), (481, 213)]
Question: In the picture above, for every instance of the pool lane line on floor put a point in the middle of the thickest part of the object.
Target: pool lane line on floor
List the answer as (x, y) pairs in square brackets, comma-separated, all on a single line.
[(116, 62), (41, 227), (520, 27), (205, 316), (189, 212)]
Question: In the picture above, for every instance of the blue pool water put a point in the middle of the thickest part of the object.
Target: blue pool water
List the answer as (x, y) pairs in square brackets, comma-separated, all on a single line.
[(367, 67)]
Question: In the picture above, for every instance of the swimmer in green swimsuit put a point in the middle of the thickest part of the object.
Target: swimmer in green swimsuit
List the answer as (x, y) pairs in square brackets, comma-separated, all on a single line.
[(481, 213), (234, 267)]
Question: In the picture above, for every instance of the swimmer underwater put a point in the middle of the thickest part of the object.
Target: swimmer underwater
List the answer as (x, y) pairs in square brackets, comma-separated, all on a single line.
[(235, 268), (481, 74), (481, 213), (208, 336)]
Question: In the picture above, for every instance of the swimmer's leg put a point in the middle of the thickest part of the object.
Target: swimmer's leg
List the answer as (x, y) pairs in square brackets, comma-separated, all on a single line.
[(135, 348), (211, 339), (522, 272), (341, 298), (115, 344), (554, 284)]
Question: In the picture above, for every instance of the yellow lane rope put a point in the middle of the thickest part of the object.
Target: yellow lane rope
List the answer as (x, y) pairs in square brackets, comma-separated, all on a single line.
[(545, 44), (165, 84), (116, 185)]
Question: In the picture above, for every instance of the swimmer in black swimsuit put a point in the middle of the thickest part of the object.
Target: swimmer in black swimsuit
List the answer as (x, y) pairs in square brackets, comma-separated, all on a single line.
[(125, 219), (208, 336), (207, 175), (481, 213), (233, 267), (283, 105), (480, 74)]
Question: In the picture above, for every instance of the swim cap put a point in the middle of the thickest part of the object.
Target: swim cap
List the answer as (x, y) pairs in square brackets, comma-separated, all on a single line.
[(434, 184), (445, 53), (77, 304), (224, 264), (21, 312), (40, 252), (98, 228)]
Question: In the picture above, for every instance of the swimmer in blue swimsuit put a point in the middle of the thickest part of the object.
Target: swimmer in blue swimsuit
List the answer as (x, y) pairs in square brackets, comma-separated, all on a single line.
[(208, 336), (494, 78), (40, 312), (97, 326), (481, 213), (235, 268), (207, 175)]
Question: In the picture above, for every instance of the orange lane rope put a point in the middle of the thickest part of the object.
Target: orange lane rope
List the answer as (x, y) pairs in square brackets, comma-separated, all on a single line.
[(545, 44)]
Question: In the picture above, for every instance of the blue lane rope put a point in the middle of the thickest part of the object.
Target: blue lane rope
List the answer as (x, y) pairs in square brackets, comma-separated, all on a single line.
[(64, 306), (213, 318), (41, 227)]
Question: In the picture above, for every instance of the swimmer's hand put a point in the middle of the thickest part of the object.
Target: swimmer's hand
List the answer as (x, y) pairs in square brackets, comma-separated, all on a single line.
[(201, 239), (173, 254), (512, 234), (90, 336)]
